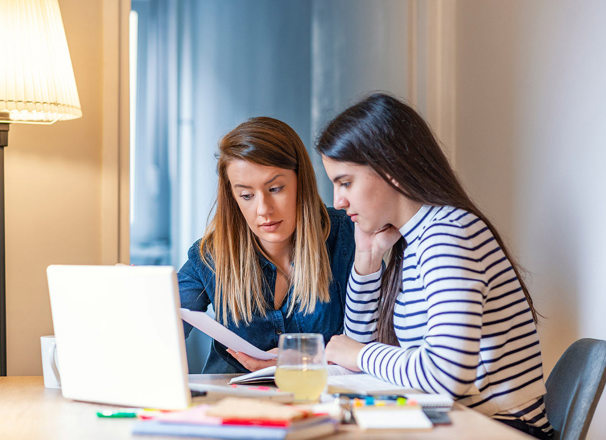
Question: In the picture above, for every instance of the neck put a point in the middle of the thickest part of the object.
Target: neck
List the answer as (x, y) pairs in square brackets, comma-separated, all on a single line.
[(280, 254), (406, 210)]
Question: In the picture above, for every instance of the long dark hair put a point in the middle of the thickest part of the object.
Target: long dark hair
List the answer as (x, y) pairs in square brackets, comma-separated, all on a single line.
[(391, 138)]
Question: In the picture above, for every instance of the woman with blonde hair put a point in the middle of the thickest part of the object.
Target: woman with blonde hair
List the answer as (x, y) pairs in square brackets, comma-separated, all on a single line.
[(273, 259)]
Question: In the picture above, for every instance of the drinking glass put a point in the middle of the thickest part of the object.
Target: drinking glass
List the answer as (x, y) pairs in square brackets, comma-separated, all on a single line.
[(301, 367)]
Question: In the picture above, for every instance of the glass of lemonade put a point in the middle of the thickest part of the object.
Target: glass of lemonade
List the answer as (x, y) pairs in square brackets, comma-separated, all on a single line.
[(301, 368)]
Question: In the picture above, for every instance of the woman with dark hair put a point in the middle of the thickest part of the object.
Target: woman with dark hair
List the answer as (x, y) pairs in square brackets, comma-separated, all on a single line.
[(449, 313), (274, 259)]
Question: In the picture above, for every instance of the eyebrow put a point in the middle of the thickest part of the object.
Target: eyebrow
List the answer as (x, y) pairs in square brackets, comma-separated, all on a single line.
[(239, 185), (339, 177)]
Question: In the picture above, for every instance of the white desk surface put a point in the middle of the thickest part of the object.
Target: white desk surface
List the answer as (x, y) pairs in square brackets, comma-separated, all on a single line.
[(28, 411)]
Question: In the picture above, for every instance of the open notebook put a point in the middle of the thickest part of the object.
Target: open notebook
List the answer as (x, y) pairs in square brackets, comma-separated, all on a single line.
[(339, 380)]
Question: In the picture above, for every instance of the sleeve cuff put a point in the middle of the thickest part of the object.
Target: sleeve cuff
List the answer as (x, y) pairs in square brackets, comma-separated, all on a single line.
[(365, 279), (362, 353)]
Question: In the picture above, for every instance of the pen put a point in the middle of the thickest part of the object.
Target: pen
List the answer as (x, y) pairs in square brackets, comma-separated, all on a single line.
[(117, 414)]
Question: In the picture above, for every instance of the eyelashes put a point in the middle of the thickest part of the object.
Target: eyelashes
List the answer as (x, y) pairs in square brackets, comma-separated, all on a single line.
[(273, 190)]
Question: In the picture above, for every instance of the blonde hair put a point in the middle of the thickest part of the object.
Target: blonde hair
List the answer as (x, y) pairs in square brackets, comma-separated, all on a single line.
[(231, 248)]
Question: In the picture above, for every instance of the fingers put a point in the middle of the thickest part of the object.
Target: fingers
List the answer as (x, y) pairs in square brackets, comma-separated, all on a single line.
[(249, 362), (242, 358)]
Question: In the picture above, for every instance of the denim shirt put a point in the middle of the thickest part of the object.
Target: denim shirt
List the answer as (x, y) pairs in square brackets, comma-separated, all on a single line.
[(197, 291)]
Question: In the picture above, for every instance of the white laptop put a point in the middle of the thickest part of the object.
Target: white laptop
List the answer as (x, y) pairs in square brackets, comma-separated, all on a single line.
[(119, 335)]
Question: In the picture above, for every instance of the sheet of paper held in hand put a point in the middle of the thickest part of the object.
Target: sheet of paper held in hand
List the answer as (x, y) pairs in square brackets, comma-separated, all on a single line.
[(220, 333)]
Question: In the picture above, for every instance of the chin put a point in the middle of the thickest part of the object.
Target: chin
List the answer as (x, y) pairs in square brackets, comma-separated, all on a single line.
[(366, 229), (371, 229), (273, 238)]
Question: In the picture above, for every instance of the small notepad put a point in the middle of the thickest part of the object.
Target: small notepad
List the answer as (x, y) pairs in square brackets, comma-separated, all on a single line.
[(438, 402), (392, 417)]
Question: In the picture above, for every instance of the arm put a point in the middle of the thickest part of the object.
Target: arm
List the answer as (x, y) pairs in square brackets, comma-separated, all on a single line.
[(193, 283), (446, 360), (363, 293), (364, 286), (361, 305)]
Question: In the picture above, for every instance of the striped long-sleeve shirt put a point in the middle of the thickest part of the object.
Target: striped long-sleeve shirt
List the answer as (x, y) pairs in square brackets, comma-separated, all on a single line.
[(461, 318)]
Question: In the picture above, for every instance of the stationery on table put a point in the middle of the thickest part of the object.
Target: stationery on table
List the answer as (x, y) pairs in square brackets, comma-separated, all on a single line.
[(237, 418), (435, 407), (381, 414), (437, 417), (109, 414), (340, 381), (435, 402), (362, 383)]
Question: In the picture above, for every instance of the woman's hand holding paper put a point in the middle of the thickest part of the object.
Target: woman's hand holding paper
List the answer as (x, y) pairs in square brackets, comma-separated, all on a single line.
[(251, 363)]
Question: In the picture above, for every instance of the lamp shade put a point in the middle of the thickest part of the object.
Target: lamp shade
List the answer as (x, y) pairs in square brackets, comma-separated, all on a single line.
[(37, 81)]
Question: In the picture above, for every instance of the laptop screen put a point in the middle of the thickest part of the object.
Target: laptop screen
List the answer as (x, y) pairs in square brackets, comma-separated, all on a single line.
[(119, 335)]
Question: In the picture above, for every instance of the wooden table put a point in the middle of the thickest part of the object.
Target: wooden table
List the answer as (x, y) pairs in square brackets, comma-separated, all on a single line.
[(28, 411)]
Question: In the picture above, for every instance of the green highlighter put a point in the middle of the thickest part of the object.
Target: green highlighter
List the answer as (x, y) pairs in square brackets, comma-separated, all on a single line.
[(117, 414)]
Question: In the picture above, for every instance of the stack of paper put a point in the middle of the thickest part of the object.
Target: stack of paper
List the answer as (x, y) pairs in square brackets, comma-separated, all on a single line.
[(442, 402)]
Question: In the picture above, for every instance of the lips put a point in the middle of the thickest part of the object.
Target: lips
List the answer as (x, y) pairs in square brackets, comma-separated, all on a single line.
[(270, 226), (353, 217)]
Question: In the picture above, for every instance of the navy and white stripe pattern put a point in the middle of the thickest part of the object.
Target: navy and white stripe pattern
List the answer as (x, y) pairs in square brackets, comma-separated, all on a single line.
[(461, 318)]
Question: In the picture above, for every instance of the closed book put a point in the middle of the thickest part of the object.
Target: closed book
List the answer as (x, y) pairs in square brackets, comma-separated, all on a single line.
[(296, 431)]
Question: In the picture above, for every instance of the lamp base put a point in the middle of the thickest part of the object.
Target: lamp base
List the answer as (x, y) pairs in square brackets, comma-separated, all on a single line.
[(3, 143)]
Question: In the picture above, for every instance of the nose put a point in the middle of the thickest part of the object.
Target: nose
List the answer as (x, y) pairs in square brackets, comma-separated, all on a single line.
[(339, 201), (264, 207)]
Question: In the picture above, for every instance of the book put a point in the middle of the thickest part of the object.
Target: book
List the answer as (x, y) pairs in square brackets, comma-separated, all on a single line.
[(236, 432), (338, 377), (340, 380), (236, 418)]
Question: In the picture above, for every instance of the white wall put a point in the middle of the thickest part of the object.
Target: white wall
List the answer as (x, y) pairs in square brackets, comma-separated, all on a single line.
[(358, 47), (531, 149), (54, 187)]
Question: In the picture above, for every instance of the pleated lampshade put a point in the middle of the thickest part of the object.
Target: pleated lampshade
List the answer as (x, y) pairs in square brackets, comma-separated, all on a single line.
[(37, 81)]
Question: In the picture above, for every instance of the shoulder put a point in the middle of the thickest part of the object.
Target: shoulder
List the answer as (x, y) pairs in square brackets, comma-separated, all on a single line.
[(456, 230), (338, 217), (341, 235), (340, 223), (194, 256)]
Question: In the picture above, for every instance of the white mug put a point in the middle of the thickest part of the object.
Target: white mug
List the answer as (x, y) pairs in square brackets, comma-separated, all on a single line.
[(50, 366)]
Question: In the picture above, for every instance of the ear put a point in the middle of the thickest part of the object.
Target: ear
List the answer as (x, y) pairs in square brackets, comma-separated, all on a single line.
[(393, 181)]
